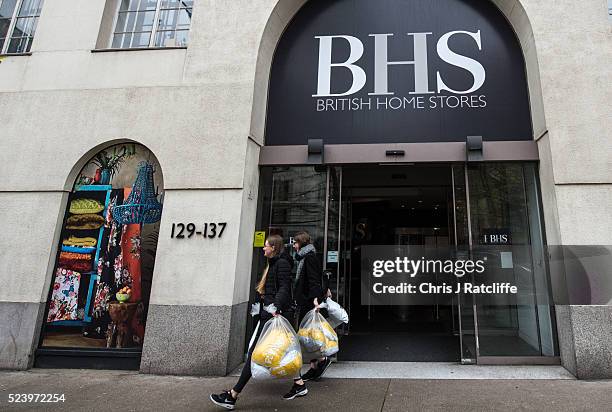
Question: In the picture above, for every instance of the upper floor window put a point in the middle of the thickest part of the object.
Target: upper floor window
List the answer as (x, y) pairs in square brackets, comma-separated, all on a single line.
[(152, 23), (18, 20)]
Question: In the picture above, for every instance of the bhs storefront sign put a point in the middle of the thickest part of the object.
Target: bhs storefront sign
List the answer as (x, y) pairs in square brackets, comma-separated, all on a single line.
[(382, 63), (392, 71), (327, 100)]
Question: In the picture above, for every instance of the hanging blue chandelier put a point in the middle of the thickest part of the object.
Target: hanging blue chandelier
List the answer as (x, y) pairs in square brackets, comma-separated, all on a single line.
[(141, 205)]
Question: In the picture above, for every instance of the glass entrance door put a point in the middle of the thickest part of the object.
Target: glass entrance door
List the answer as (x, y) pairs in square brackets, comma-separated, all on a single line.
[(506, 231), (465, 303), (337, 251)]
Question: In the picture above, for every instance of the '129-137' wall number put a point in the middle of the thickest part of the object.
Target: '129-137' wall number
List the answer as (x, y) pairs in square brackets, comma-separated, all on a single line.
[(209, 230)]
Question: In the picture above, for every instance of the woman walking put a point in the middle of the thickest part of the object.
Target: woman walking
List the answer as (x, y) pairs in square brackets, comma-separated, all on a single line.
[(273, 292), (309, 294)]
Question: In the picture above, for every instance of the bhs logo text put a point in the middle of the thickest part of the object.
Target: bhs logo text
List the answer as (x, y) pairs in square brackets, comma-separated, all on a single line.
[(382, 63)]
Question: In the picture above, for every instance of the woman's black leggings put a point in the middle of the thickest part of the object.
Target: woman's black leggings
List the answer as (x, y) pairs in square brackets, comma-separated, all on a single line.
[(245, 375)]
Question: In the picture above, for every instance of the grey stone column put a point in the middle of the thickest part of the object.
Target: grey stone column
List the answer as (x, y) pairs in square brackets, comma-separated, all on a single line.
[(585, 340), (20, 324), (194, 340)]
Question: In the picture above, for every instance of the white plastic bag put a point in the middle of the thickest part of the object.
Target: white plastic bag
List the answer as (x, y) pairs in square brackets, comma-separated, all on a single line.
[(277, 352), (255, 308), (337, 314), (317, 335)]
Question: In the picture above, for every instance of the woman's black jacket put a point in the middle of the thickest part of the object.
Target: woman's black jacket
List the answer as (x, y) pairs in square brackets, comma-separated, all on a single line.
[(309, 285), (277, 288)]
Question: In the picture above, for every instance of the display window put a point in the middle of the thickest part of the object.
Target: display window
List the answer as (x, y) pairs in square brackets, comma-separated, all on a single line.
[(99, 293)]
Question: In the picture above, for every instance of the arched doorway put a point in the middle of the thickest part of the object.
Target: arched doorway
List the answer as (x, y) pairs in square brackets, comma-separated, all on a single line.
[(440, 92), (99, 296)]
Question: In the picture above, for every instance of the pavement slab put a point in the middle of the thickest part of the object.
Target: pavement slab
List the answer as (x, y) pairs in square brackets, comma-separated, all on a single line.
[(95, 390)]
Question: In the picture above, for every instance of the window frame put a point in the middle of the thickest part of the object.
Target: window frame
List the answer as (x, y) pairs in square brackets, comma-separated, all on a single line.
[(4, 50), (154, 29)]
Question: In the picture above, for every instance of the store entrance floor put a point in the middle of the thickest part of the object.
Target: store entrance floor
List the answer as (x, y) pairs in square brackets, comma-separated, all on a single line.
[(399, 347)]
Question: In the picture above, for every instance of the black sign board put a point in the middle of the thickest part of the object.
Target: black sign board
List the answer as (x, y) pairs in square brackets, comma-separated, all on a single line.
[(393, 71)]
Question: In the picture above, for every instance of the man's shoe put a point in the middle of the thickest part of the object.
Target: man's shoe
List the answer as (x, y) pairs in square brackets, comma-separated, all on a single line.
[(309, 375), (224, 400), (296, 390), (321, 368)]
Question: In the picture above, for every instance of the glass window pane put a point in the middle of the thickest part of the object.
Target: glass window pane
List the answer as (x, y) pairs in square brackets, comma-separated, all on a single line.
[(182, 38), (167, 19), (175, 4), (127, 40), (28, 44), (163, 37), (131, 21), (174, 20), (131, 5), (7, 7), (25, 27), (20, 28), (148, 5), (121, 22), (117, 39), (30, 8), (125, 22), (17, 45), (141, 39), (4, 26), (184, 19), (144, 21), (172, 38), (170, 4)]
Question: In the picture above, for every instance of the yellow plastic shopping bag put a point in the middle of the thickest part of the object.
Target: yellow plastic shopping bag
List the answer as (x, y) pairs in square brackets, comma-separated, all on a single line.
[(277, 352), (317, 335)]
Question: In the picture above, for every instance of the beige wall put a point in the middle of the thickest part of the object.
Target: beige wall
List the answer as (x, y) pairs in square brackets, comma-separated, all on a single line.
[(574, 49), (191, 107)]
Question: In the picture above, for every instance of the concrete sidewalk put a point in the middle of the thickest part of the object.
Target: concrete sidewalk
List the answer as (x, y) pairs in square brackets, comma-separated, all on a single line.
[(89, 390)]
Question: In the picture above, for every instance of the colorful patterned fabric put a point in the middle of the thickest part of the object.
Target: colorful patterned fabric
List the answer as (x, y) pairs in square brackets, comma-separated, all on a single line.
[(76, 261), (110, 256), (80, 241), (75, 256), (84, 206), (78, 249), (101, 300), (130, 251), (63, 304), (84, 222)]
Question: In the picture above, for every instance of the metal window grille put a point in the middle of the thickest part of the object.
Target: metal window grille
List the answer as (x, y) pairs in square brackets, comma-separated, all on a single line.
[(18, 21), (152, 23)]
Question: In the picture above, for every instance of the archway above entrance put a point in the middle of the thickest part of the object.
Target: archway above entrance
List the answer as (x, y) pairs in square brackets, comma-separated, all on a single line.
[(394, 71)]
